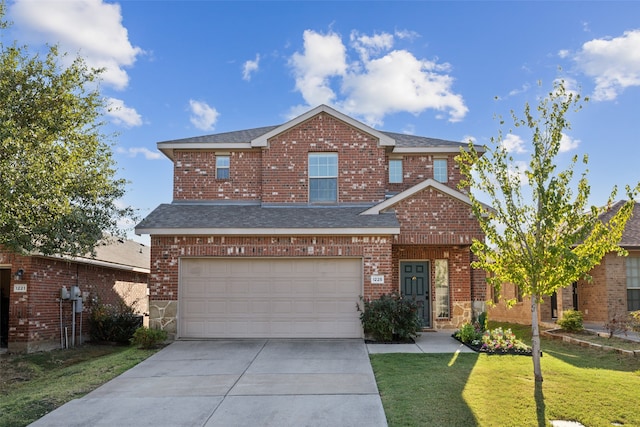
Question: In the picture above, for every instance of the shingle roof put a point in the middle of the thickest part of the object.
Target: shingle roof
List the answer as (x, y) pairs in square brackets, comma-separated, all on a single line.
[(223, 218), (631, 234), (247, 135)]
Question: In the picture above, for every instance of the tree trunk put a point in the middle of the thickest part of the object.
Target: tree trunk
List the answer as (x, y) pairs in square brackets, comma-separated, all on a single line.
[(535, 339)]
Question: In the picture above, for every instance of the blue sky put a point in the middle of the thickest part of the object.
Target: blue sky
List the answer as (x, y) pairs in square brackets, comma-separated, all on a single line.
[(177, 69)]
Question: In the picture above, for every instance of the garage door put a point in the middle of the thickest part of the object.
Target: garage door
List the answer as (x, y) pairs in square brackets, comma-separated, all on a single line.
[(269, 298)]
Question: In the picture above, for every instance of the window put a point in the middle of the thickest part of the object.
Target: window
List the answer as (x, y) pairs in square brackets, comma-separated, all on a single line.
[(442, 288), (518, 292), (395, 171), (633, 283), (440, 170), (222, 167), (323, 177)]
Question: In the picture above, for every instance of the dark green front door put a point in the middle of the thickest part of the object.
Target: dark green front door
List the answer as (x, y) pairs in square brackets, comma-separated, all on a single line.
[(414, 282)]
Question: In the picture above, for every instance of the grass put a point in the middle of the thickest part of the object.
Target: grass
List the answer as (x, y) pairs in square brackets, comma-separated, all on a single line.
[(593, 387), (612, 342), (32, 385)]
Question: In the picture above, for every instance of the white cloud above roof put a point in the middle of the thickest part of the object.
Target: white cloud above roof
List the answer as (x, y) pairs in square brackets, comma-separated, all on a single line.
[(567, 143), (374, 82), (203, 116), (91, 28), (613, 63), (134, 151), (121, 114)]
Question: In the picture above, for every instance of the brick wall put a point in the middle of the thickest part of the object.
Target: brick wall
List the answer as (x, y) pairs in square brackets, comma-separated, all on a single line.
[(34, 316), (434, 218), (194, 176), (419, 167)]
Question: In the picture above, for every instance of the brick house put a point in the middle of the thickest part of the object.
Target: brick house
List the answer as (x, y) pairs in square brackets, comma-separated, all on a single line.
[(277, 231), (33, 315), (613, 291)]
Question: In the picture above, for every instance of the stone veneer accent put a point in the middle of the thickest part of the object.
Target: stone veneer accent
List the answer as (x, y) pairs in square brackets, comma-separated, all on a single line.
[(163, 315)]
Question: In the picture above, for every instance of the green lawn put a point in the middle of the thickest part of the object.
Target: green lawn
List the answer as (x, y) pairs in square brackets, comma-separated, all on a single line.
[(32, 385), (594, 387)]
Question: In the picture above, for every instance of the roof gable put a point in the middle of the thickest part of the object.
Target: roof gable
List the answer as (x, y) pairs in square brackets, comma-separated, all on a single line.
[(262, 140), (381, 207)]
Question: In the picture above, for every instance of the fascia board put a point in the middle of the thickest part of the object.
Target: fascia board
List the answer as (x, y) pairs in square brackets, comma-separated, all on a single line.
[(384, 140), (167, 148), (432, 150), (99, 263), (268, 231)]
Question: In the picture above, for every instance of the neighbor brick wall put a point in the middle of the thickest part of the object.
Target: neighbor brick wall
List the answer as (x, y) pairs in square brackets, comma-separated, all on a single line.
[(34, 316)]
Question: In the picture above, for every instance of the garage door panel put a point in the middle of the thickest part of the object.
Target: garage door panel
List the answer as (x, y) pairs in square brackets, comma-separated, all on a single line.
[(248, 297)]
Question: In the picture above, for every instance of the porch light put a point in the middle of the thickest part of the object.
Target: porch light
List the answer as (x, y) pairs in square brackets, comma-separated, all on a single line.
[(19, 274)]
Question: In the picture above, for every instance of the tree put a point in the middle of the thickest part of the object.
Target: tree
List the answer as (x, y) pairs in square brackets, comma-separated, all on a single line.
[(58, 186), (538, 235)]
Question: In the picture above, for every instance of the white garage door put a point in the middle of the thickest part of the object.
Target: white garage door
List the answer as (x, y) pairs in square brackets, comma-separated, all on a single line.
[(269, 298)]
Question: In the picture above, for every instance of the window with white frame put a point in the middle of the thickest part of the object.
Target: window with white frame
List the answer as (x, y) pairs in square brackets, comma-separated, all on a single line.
[(633, 282), (222, 167), (440, 170), (442, 288), (395, 171), (323, 177)]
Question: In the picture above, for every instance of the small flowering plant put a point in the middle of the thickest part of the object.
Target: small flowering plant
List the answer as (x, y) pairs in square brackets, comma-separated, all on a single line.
[(502, 341)]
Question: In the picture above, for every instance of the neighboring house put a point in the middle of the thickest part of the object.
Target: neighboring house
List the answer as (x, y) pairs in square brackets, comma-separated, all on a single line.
[(277, 231), (33, 315), (613, 291)]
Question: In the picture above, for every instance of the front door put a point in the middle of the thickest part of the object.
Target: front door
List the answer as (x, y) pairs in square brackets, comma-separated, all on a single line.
[(414, 280)]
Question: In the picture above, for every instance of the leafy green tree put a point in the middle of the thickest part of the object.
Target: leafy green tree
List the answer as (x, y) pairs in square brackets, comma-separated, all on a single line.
[(58, 186), (539, 236)]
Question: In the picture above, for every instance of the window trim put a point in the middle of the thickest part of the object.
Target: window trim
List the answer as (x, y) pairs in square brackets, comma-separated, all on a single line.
[(397, 179), (636, 276), (334, 176), (226, 167), (437, 171)]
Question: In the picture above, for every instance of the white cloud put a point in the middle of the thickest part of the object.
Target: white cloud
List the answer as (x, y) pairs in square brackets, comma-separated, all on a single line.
[(379, 82), (121, 114), (469, 138), (563, 53), (324, 57), (517, 171), (203, 116), (134, 151), (567, 143), (91, 28), (250, 67), (513, 144), (613, 63)]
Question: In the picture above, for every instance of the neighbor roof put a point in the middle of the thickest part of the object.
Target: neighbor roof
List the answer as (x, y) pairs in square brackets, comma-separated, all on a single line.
[(196, 218), (631, 235)]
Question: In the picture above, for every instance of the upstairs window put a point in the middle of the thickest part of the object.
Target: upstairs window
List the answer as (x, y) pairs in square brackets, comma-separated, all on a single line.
[(323, 177), (395, 171), (440, 170), (222, 167)]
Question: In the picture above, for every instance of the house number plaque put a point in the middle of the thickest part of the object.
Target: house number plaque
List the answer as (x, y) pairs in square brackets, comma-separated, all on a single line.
[(20, 287), (377, 280)]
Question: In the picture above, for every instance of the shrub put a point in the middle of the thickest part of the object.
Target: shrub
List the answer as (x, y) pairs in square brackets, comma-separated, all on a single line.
[(618, 323), (482, 320), (571, 321), (390, 318), (634, 317), (109, 323), (148, 338), (470, 333)]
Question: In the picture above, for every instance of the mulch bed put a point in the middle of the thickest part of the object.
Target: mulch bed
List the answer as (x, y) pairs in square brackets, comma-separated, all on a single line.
[(510, 351)]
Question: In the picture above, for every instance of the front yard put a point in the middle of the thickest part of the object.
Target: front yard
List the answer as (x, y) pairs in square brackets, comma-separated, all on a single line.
[(593, 387)]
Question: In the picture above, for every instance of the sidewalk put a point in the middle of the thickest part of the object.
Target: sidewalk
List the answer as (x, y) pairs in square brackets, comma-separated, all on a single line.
[(427, 342)]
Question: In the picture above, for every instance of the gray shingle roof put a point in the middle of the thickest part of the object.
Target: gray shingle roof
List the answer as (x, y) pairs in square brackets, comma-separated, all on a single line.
[(247, 135), (212, 216), (631, 234)]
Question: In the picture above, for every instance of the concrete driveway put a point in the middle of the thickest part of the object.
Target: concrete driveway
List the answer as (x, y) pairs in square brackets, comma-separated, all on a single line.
[(237, 383)]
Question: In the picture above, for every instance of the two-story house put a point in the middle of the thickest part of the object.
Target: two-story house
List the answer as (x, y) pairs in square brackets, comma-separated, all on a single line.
[(278, 231)]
